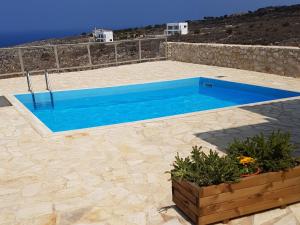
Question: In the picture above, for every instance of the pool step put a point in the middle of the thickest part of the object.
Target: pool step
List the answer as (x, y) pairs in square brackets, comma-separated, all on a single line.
[(39, 105), (209, 85)]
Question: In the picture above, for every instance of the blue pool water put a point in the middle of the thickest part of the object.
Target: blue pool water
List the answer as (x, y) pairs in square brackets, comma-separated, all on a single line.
[(76, 109)]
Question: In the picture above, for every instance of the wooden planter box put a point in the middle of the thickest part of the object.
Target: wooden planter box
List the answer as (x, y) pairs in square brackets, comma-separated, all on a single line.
[(222, 202)]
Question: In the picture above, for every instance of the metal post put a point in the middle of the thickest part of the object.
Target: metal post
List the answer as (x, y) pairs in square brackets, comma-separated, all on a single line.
[(116, 54), (140, 50), (56, 56), (28, 81), (21, 60), (47, 81), (166, 48), (89, 54)]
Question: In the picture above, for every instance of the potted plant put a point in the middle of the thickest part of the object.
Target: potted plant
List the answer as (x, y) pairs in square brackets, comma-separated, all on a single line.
[(258, 173)]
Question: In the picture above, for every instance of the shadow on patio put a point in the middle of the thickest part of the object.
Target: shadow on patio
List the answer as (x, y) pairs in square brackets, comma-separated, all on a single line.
[(284, 115)]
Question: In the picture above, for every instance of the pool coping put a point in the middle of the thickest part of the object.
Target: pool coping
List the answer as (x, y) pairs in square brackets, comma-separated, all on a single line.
[(44, 131)]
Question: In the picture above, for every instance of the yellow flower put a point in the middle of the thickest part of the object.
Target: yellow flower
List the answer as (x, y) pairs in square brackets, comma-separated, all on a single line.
[(246, 160)]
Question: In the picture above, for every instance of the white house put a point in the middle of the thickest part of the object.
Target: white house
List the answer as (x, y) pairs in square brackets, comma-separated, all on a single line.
[(102, 35), (177, 28)]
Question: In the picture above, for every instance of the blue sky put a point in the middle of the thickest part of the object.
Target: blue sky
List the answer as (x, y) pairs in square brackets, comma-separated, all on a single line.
[(83, 15)]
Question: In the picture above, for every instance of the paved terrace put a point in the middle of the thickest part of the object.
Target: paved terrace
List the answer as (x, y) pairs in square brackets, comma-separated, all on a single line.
[(115, 175)]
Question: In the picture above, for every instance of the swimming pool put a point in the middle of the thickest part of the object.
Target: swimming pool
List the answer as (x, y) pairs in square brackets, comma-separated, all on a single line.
[(77, 109)]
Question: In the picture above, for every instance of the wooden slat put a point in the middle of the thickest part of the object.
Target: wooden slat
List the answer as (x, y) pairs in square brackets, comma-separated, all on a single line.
[(188, 190), (181, 205), (268, 204), (248, 200), (253, 208), (189, 205), (249, 182), (227, 196)]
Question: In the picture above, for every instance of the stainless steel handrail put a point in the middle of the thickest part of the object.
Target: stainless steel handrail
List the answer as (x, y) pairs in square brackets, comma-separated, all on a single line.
[(29, 84), (48, 86)]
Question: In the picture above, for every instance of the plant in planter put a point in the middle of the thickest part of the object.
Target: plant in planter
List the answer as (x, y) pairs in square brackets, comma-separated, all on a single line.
[(205, 170), (212, 188), (272, 153)]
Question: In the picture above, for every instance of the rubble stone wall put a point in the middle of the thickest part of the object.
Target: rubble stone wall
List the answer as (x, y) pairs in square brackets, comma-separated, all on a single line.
[(279, 60)]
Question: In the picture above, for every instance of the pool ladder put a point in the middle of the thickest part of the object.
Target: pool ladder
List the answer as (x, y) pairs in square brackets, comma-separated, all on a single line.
[(48, 88)]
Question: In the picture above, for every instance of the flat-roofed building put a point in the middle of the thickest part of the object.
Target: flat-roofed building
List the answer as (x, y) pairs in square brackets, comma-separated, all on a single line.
[(177, 28), (102, 35)]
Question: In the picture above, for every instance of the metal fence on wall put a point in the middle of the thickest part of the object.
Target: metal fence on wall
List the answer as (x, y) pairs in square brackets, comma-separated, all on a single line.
[(67, 57)]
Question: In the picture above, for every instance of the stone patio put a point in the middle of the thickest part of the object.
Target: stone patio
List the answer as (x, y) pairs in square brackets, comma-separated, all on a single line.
[(115, 175)]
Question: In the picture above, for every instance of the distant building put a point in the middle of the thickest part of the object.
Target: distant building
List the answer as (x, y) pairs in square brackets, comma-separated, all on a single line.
[(177, 28), (102, 35)]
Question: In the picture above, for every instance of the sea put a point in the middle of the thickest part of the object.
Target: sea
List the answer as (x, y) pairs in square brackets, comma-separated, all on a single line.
[(10, 39)]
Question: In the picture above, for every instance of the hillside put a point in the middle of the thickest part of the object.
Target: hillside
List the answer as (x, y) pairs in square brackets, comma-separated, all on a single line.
[(265, 26)]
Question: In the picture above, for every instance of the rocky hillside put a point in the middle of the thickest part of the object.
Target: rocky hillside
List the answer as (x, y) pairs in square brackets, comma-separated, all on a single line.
[(265, 26)]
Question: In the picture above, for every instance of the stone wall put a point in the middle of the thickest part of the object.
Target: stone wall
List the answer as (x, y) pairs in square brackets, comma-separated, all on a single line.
[(279, 60)]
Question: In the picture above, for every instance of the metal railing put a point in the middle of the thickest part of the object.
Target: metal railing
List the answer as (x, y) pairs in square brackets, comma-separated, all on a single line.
[(67, 57)]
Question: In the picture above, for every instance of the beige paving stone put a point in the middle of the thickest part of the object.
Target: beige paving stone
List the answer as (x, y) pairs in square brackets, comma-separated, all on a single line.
[(173, 222), (49, 219), (116, 175), (97, 214), (289, 219), (7, 191), (138, 218), (296, 210), (264, 217), (7, 216), (31, 211), (248, 220), (31, 189)]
